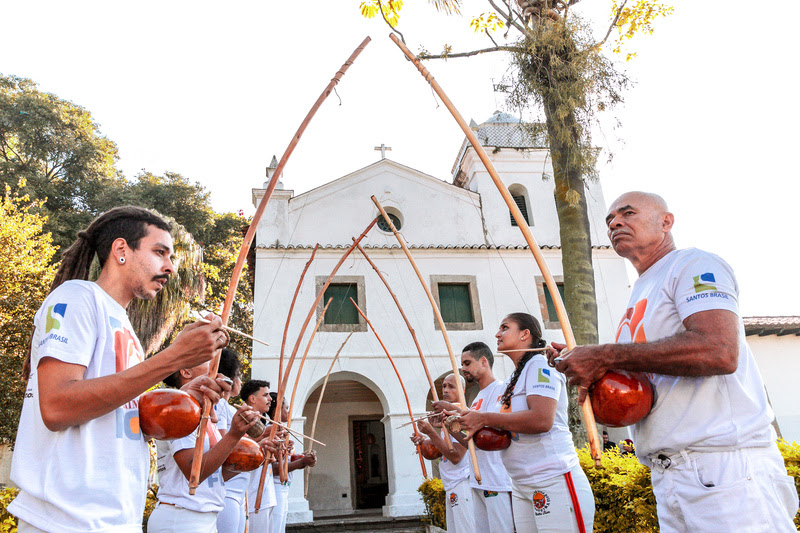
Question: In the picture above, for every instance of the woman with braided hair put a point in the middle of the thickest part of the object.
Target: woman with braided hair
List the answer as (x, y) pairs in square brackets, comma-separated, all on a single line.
[(550, 492)]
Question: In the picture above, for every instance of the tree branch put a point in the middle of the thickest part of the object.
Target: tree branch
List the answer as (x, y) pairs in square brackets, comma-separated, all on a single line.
[(613, 23), (380, 8), (510, 18), (473, 52)]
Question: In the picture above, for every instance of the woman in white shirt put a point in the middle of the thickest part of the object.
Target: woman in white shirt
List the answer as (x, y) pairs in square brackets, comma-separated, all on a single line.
[(550, 492)]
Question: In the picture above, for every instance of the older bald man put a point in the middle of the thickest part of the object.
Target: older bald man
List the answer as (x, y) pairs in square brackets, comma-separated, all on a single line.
[(708, 439)]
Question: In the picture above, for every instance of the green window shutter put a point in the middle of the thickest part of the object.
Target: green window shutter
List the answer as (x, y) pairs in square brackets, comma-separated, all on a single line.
[(341, 310), (520, 201), (551, 307), (455, 303)]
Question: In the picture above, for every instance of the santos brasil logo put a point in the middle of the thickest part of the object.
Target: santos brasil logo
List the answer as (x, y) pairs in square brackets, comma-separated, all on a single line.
[(703, 282), (51, 321)]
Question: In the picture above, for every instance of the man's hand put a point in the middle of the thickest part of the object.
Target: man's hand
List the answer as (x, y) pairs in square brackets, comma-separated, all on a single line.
[(470, 422), (583, 365), (204, 387), (442, 405), (243, 420), (425, 427), (309, 459), (198, 341)]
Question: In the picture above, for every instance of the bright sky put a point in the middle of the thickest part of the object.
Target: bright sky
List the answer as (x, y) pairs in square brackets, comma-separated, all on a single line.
[(212, 90)]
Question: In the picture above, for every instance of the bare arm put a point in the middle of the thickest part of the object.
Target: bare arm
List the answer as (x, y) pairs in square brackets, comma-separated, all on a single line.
[(66, 399), (538, 418), (216, 455), (708, 347), (454, 456)]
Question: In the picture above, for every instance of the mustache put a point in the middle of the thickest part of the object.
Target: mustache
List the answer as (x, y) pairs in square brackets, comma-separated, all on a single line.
[(165, 277)]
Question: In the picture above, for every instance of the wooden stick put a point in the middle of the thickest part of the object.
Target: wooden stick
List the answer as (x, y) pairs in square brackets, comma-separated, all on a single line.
[(431, 383), (316, 411), (242, 333), (194, 478), (282, 384), (414, 421), (402, 385), (300, 369), (586, 408), (292, 431), (461, 398), (291, 309)]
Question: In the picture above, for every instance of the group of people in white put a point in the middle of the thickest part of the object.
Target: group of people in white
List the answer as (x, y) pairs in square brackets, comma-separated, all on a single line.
[(81, 461), (536, 483), (225, 500)]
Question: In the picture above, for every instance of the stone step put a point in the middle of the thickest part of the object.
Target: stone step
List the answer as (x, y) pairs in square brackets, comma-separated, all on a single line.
[(370, 521)]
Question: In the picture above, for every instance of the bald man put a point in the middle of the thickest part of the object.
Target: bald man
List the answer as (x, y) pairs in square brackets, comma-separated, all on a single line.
[(708, 438)]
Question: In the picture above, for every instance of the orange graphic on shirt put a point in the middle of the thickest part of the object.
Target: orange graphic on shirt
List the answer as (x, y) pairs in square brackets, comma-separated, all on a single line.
[(477, 405), (126, 349), (632, 320)]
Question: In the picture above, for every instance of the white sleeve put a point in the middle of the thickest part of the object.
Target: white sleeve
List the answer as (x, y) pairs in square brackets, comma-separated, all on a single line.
[(542, 380), (68, 326), (702, 283)]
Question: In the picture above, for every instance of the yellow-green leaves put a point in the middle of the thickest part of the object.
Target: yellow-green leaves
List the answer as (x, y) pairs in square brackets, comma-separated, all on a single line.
[(486, 22), (637, 18), (391, 10)]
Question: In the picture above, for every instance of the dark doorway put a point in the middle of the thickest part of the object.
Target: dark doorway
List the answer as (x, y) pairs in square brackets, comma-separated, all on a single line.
[(369, 464)]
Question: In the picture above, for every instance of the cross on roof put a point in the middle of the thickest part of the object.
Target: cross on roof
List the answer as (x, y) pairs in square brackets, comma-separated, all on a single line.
[(383, 149)]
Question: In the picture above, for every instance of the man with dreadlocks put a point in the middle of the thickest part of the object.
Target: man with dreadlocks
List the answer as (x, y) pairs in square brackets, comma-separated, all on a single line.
[(80, 461)]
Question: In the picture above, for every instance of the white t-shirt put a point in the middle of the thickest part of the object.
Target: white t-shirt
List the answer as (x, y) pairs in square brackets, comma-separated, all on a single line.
[(453, 474), (532, 459), (236, 486), (268, 499), (709, 413), (91, 477), (493, 473), (174, 487)]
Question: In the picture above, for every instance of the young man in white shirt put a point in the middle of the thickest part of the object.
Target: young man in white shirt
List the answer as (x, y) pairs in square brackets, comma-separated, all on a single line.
[(80, 460), (492, 497), (708, 438)]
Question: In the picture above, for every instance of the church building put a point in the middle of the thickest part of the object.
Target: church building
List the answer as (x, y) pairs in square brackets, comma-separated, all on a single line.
[(477, 266)]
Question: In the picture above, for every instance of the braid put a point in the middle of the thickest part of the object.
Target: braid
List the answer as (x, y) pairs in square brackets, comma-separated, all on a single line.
[(523, 321)]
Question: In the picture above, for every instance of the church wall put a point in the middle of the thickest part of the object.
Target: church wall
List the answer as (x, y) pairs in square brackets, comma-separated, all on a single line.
[(776, 358)]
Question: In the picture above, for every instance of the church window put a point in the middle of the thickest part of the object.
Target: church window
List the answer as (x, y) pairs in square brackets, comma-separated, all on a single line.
[(546, 303), (383, 226), (457, 298), (520, 196), (341, 314), (341, 309)]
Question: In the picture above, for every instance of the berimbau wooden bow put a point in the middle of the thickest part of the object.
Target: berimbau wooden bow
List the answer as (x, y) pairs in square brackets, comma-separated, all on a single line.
[(284, 468), (282, 384), (194, 478), (319, 403), (431, 383), (459, 387), (563, 319), (402, 385)]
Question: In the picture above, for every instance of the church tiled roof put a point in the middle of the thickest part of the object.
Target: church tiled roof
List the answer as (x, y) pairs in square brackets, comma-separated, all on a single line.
[(503, 130), (772, 325)]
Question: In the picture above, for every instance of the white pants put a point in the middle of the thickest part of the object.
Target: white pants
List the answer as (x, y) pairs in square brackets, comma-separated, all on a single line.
[(548, 507), (261, 521), (24, 527), (172, 519), (281, 509), (492, 511), (743, 490), (458, 505), (232, 518)]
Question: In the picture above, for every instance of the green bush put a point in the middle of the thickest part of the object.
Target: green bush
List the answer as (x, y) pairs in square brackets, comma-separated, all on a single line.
[(791, 457), (433, 495)]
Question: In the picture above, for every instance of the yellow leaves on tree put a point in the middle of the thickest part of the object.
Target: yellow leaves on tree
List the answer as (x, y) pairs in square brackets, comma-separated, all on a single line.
[(25, 275), (391, 10), (637, 18)]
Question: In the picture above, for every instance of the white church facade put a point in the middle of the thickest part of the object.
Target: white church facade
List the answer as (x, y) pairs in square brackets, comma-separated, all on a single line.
[(477, 265)]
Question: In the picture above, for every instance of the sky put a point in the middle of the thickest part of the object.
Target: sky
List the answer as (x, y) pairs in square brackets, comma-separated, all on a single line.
[(214, 90)]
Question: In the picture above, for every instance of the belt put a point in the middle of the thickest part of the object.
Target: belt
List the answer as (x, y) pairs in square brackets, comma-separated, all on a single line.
[(664, 461)]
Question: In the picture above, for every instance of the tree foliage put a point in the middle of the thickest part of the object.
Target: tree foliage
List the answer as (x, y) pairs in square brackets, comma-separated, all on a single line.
[(25, 275), (56, 146)]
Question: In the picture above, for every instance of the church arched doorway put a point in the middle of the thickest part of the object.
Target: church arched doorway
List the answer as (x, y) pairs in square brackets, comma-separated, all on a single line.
[(350, 423)]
